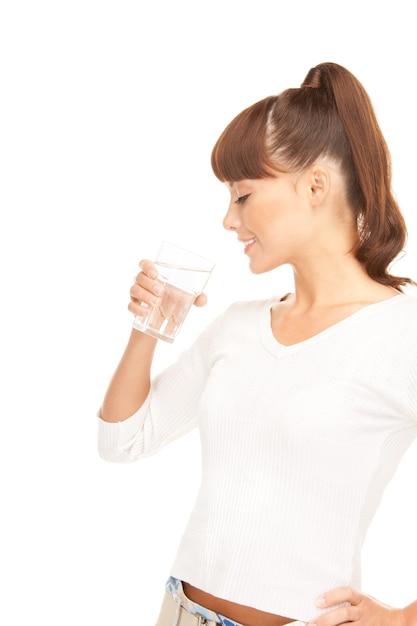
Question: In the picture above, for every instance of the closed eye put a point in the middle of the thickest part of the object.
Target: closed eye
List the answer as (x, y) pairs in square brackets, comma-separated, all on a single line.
[(242, 199)]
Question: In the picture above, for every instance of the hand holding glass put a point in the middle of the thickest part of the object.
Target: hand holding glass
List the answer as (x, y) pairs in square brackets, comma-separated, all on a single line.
[(183, 275)]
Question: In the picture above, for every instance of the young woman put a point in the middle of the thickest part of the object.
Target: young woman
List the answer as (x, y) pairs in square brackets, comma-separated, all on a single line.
[(305, 402)]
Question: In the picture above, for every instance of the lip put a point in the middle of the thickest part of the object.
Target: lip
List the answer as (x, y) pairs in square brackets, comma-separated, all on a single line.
[(248, 243)]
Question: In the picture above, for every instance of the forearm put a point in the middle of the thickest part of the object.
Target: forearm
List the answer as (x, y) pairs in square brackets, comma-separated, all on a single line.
[(130, 383)]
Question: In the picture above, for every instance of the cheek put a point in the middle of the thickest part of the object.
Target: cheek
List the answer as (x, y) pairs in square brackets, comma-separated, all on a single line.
[(263, 218)]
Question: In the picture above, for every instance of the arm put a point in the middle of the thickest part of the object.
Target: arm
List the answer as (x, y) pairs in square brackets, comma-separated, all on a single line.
[(130, 383), (169, 410), (138, 416)]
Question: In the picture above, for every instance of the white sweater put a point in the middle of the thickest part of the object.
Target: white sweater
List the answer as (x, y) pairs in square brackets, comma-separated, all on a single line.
[(298, 443)]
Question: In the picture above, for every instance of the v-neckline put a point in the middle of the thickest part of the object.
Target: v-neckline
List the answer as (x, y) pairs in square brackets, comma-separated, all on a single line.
[(273, 345)]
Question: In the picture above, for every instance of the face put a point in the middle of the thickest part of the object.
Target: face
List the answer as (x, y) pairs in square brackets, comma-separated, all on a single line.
[(272, 218)]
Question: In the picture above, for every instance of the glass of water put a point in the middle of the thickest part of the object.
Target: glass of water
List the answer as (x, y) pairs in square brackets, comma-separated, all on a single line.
[(183, 275)]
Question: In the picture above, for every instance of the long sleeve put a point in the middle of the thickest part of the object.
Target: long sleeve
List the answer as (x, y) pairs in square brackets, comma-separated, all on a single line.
[(169, 411)]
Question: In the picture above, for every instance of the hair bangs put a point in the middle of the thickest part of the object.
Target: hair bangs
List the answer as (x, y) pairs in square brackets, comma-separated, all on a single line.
[(241, 151)]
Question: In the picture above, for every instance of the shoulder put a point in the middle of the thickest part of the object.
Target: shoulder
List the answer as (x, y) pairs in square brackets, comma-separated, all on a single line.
[(247, 309), (405, 309), (397, 325)]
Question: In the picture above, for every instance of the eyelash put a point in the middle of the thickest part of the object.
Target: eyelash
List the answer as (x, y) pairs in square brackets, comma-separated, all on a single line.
[(242, 199)]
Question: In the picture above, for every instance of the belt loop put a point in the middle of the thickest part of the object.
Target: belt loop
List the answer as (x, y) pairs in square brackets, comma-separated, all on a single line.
[(202, 621)]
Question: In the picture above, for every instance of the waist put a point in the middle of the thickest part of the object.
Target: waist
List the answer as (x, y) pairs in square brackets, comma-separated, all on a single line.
[(220, 611)]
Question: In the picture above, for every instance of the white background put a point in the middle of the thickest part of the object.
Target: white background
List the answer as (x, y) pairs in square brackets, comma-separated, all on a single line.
[(108, 113)]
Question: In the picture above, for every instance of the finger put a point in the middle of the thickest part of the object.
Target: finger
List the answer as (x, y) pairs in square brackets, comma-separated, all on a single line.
[(138, 308), (148, 268), (139, 296), (146, 289), (339, 596), (145, 293), (200, 300), (342, 615), (142, 282)]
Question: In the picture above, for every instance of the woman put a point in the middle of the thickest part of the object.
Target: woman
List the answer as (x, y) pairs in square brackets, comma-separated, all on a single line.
[(305, 402)]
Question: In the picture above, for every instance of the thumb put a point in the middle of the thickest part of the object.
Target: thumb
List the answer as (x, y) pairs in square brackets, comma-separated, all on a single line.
[(200, 300)]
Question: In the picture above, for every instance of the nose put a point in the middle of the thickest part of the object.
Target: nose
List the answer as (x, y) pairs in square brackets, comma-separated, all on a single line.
[(231, 220)]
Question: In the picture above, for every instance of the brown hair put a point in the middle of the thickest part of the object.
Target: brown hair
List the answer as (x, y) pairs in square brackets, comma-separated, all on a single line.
[(330, 115)]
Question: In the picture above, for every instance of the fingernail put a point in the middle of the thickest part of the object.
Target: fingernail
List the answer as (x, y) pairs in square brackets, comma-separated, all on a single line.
[(320, 602), (155, 300), (152, 273), (158, 290)]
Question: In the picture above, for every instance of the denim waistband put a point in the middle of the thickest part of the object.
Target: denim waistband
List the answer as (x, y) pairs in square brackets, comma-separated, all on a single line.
[(174, 588)]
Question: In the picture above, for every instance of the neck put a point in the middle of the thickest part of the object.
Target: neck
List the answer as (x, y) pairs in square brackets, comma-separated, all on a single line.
[(322, 284)]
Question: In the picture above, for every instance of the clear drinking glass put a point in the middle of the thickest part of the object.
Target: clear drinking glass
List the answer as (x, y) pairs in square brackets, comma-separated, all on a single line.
[(183, 275)]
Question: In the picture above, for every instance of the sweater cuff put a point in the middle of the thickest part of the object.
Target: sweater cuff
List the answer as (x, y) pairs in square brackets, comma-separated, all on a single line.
[(114, 437)]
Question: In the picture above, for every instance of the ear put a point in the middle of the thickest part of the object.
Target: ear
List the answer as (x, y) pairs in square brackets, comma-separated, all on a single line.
[(319, 180)]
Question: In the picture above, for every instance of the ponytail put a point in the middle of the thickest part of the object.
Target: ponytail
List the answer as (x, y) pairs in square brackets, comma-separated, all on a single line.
[(380, 224)]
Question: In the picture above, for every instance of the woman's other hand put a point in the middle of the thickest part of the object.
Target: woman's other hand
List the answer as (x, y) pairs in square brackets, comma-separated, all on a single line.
[(359, 609)]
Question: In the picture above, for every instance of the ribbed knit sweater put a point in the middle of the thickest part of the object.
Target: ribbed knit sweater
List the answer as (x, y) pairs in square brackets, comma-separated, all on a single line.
[(298, 443)]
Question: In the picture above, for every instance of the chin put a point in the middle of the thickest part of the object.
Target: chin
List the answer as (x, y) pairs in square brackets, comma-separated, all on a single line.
[(258, 269)]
